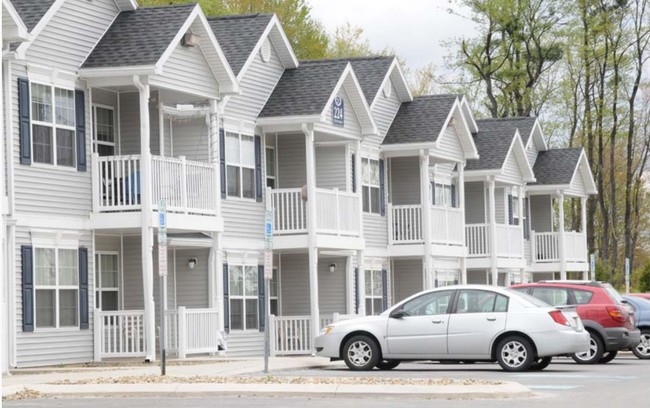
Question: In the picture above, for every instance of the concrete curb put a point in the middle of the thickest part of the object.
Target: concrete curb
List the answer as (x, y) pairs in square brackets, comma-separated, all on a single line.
[(505, 390)]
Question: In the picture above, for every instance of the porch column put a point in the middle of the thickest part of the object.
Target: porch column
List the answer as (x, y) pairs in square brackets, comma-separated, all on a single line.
[(361, 280), (214, 153), (217, 255), (461, 205), (561, 237), (349, 286), (493, 232), (311, 228), (426, 218), (357, 182), (523, 276), (583, 216), (147, 228)]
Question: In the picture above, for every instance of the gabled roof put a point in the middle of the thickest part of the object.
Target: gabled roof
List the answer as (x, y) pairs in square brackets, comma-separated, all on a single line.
[(139, 37), (556, 166), (305, 90), (493, 147), (32, 11), (525, 126), (420, 121), (373, 72)]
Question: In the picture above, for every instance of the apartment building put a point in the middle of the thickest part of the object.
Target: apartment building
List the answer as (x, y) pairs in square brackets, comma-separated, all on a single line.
[(111, 109)]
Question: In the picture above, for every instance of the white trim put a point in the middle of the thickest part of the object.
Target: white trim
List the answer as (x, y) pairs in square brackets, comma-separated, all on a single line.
[(45, 20), (473, 154), (21, 30), (527, 173), (55, 239), (288, 120), (121, 71), (467, 110), (389, 73)]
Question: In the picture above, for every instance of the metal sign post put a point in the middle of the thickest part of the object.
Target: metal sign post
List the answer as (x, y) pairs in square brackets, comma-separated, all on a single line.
[(592, 266), (268, 275), (162, 273), (627, 275)]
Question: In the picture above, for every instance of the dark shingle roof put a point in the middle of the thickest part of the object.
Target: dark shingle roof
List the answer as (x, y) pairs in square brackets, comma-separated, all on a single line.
[(304, 90), (32, 11), (421, 120), (371, 72), (238, 35), (492, 147), (509, 125), (139, 37), (556, 166)]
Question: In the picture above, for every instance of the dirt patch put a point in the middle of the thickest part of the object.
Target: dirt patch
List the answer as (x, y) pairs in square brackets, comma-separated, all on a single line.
[(23, 395)]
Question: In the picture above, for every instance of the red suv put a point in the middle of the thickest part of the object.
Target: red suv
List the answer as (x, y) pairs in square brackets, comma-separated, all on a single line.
[(604, 313)]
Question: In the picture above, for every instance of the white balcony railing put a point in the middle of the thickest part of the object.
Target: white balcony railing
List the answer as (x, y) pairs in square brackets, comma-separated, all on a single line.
[(406, 224), (291, 335), (187, 186), (575, 244), (478, 240), (546, 247), (509, 241), (447, 225), (337, 212)]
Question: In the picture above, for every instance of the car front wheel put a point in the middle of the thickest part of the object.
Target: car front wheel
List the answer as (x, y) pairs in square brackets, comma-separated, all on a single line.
[(642, 350), (515, 354), (607, 357), (361, 353), (594, 352), (388, 364)]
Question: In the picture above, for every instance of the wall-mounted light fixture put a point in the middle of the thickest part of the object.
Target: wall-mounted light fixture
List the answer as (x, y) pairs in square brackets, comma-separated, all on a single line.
[(332, 267), (191, 263)]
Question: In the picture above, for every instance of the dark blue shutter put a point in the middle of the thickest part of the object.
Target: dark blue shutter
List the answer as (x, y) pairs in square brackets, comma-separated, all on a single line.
[(453, 196), (356, 290), (261, 285), (222, 160), (258, 168), (26, 252), (226, 299), (354, 177), (384, 289), (526, 220), (382, 189), (84, 320), (80, 114), (24, 126), (511, 219)]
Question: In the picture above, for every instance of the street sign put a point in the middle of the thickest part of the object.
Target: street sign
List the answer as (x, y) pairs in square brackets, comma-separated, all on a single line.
[(268, 245), (268, 265), (162, 238), (592, 266)]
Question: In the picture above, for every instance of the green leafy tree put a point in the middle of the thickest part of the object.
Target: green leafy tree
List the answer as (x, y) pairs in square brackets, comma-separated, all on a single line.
[(643, 283)]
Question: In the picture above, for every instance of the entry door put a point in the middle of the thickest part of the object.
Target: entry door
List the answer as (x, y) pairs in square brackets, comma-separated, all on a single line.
[(423, 333), (479, 316)]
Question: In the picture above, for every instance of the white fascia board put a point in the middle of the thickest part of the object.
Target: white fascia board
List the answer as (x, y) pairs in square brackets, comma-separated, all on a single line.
[(542, 141), (45, 20), (282, 120), (543, 189), (118, 71), (582, 161), (474, 175), (407, 146), (404, 96), (20, 32), (527, 171), (467, 111)]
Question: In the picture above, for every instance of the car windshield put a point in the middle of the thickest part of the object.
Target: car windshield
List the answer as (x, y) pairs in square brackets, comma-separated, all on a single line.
[(529, 301), (613, 293)]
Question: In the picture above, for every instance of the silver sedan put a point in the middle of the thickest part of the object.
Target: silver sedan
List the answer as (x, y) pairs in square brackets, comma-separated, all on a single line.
[(459, 323)]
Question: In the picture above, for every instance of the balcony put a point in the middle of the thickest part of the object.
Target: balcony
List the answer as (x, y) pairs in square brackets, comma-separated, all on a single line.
[(509, 245), (546, 251)]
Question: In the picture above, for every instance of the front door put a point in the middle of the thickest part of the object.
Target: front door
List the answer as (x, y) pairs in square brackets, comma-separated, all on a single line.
[(479, 316), (423, 332)]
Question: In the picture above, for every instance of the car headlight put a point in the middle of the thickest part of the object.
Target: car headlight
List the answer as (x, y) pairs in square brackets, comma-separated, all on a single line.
[(326, 330)]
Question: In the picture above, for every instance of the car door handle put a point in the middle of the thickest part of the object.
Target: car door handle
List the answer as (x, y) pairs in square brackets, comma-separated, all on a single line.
[(436, 321), (491, 319)]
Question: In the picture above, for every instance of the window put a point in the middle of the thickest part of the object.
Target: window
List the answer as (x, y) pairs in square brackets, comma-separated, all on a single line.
[(481, 301), (56, 287), (107, 281), (582, 296), (552, 296), (53, 125), (104, 120), (270, 167), (243, 297), (374, 293), (443, 195), (370, 185), (240, 165), (275, 289), (515, 210), (431, 303)]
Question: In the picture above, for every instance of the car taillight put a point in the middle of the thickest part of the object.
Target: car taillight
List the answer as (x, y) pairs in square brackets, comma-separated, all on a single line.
[(559, 318), (616, 313)]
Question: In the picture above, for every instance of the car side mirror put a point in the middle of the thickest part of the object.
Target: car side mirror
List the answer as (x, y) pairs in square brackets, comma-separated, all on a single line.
[(398, 314)]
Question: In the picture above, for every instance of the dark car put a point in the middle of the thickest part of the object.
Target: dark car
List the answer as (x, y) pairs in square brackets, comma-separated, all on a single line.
[(642, 316), (604, 313)]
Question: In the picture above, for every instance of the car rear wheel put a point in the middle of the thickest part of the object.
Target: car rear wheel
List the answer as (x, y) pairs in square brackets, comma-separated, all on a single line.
[(642, 350), (607, 357), (387, 364), (361, 353), (593, 353), (515, 354), (541, 363)]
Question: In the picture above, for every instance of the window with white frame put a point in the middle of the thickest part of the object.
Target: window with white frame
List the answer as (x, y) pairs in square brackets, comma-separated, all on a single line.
[(53, 125), (374, 292), (515, 210), (107, 281), (240, 165), (370, 185), (270, 167), (273, 296), (56, 287), (442, 194), (104, 137), (243, 297)]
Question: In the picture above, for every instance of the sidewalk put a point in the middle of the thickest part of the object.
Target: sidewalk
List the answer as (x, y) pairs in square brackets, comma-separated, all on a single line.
[(48, 381)]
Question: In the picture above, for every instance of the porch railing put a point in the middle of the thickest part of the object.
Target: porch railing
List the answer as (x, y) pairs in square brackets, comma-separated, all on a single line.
[(546, 247), (119, 334), (187, 186), (193, 331), (510, 241), (478, 240), (575, 244), (447, 225), (291, 335), (290, 211), (405, 224)]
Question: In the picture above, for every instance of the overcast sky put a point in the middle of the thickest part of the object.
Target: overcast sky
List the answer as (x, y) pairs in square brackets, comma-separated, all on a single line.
[(413, 28)]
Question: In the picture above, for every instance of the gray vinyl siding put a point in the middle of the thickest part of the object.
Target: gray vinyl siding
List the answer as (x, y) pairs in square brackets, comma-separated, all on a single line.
[(187, 69), (405, 180), (42, 189), (532, 152), (52, 346), (474, 203), (577, 186), (132, 274), (541, 216), (130, 124), (511, 172), (351, 127), (331, 167), (375, 230), (476, 277), (292, 167), (72, 33), (191, 284), (501, 205), (450, 144), (383, 111), (243, 218), (104, 97), (191, 138), (408, 278), (256, 84)]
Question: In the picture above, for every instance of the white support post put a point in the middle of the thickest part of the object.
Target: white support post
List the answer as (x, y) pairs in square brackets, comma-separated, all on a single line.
[(147, 209), (425, 205), (311, 228), (361, 279), (218, 260), (461, 205), (182, 332), (493, 232), (98, 335), (358, 180), (214, 153), (184, 191), (561, 238), (391, 226), (583, 216), (272, 337), (349, 285), (520, 199)]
